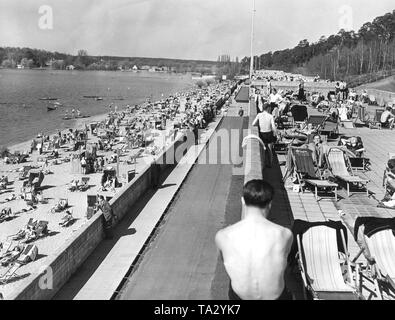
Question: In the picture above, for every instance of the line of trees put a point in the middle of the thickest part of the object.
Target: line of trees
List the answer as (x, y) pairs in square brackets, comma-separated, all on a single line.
[(345, 55), (34, 58)]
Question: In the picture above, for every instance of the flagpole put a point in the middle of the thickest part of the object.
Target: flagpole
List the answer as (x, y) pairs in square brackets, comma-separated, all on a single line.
[(252, 42), (252, 55)]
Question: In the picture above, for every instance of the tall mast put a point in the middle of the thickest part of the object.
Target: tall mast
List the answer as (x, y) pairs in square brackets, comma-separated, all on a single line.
[(252, 41)]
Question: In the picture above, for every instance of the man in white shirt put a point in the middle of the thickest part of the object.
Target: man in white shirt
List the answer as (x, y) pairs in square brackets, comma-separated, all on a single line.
[(275, 99)]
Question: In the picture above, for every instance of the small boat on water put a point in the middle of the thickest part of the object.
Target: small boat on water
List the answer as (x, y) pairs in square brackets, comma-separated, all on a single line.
[(48, 99), (67, 117), (51, 108), (57, 104), (97, 98)]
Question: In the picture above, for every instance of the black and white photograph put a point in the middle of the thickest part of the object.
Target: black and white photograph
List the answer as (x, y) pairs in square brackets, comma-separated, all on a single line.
[(195, 154)]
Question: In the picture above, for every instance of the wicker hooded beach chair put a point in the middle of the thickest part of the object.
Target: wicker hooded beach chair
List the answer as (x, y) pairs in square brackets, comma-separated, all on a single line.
[(299, 113)]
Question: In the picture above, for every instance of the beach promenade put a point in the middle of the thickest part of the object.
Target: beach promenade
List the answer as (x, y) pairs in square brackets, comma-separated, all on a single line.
[(149, 240), (183, 262)]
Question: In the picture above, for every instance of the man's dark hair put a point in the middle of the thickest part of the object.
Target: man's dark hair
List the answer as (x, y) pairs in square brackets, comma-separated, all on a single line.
[(258, 193), (266, 107)]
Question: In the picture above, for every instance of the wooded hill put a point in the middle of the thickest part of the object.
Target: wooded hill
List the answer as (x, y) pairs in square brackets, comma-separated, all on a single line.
[(365, 55)]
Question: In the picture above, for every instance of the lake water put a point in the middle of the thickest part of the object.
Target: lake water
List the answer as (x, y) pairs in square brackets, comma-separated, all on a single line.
[(23, 115)]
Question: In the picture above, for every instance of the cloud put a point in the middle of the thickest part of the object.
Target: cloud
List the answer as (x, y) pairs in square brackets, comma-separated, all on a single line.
[(197, 29)]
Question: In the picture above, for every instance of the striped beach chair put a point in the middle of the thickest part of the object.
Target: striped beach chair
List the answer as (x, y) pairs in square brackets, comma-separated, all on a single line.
[(340, 168), (320, 266), (308, 175), (381, 248), (377, 243)]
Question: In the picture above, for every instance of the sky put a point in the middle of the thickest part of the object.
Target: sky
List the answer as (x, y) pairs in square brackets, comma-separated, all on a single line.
[(184, 29)]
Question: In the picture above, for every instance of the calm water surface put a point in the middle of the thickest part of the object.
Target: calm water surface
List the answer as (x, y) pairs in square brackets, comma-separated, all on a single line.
[(23, 115)]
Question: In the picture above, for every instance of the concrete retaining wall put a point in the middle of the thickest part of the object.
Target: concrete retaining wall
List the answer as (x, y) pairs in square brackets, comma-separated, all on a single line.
[(254, 154)]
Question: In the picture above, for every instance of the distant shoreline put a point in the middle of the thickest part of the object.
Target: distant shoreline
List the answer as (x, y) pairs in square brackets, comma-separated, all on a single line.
[(103, 70)]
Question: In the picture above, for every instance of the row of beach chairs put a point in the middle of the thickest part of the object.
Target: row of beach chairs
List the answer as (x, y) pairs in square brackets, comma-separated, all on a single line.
[(321, 123), (337, 164), (326, 267)]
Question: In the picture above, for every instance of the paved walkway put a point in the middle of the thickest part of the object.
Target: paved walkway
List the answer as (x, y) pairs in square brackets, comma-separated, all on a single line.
[(183, 261)]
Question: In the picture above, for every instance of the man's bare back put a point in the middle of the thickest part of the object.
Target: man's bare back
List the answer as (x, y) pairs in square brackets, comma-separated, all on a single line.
[(255, 257), (255, 253)]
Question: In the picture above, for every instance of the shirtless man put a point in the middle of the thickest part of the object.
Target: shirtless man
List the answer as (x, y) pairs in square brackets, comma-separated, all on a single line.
[(267, 130), (255, 250)]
